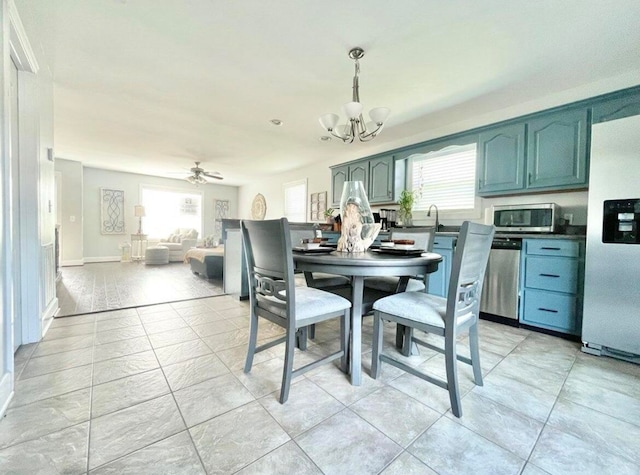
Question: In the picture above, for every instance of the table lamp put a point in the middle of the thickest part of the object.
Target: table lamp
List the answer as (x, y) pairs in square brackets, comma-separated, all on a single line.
[(138, 211)]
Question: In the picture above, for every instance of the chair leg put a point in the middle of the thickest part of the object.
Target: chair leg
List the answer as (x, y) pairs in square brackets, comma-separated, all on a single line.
[(312, 331), (301, 338), (378, 331), (344, 340), (253, 337), (452, 373), (288, 367), (475, 354)]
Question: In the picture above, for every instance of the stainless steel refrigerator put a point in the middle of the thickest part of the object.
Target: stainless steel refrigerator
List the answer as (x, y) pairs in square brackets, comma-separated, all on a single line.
[(611, 318)]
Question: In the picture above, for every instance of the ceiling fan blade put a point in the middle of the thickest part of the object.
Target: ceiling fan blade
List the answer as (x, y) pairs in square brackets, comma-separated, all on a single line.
[(214, 175)]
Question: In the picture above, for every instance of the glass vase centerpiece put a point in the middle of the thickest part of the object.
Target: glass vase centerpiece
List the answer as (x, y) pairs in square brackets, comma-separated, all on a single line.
[(359, 229)]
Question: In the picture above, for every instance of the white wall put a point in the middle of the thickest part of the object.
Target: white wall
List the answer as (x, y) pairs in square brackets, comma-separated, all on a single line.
[(70, 212), (98, 246)]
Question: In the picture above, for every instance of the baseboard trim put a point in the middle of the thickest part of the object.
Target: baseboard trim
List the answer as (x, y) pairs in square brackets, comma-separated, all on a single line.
[(91, 260), (75, 262)]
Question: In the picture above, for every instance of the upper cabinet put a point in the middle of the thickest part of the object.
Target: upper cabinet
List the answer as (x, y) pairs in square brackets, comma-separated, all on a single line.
[(617, 108), (381, 179), (547, 152), (557, 150), (377, 175), (338, 176), (500, 160)]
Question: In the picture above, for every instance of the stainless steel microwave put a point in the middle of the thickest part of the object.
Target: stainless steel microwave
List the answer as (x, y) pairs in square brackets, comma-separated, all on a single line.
[(533, 218)]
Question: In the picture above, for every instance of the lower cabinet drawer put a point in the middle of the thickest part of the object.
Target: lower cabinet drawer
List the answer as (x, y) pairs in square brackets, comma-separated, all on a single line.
[(550, 310), (557, 274)]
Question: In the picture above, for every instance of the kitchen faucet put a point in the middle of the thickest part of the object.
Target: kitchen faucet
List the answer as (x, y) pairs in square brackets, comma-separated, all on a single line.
[(437, 220)]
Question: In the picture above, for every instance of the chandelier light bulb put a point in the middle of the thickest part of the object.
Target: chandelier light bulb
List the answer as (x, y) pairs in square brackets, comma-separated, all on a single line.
[(379, 114), (352, 110)]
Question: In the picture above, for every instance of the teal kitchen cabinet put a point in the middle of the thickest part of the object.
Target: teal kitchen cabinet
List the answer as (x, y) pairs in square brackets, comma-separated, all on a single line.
[(377, 174), (338, 176), (500, 160), (439, 280), (552, 283), (381, 179), (358, 171), (617, 107), (547, 152), (557, 150)]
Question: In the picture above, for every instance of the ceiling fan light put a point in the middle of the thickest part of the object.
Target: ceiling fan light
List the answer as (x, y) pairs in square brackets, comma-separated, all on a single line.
[(352, 109), (191, 179), (328, 121), (379, 114)]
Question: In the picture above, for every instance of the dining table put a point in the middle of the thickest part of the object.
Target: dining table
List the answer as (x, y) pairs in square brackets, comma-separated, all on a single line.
[(357, 266)]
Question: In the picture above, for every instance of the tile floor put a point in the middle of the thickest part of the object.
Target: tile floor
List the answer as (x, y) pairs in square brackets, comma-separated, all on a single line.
[(114, 285), (161, 390)]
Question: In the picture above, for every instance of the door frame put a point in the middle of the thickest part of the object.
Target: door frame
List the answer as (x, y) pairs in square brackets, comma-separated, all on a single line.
[(16, 47)]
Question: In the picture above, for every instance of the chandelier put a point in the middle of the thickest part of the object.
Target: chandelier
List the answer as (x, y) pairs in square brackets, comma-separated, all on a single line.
[(356, 126)]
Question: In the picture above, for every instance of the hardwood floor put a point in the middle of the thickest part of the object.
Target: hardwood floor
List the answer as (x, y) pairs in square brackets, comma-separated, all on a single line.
[(115, 285)]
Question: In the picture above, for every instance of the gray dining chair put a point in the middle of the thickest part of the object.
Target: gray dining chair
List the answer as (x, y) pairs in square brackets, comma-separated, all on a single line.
[(274, 296), (444, 317), (423, 238), (317, 280)]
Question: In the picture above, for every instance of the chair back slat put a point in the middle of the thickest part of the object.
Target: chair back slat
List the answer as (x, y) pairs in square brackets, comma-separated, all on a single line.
[(467, 275), (423, 237)]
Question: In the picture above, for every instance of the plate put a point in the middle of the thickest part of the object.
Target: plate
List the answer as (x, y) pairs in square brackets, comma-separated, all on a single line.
[(315, 250), (399, 252)]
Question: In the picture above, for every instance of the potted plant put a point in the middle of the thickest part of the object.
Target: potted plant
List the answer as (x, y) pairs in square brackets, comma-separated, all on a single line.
[(405, 216), (328, 214)]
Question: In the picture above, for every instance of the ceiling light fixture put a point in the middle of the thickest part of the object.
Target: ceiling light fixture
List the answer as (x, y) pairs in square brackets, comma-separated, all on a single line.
[(356, 127), (276, 122)]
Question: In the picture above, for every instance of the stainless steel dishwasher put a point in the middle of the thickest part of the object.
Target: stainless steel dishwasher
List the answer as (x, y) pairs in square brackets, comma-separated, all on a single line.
[(501, 281)]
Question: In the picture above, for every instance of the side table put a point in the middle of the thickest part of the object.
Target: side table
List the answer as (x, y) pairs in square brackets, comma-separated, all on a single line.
[(138, 246)]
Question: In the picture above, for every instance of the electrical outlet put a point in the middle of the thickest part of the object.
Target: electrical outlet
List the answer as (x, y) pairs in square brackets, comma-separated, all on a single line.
[(568, 218)]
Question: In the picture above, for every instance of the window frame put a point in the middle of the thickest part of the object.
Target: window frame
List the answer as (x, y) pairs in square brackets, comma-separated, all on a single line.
[(414, 154), (291, 184)]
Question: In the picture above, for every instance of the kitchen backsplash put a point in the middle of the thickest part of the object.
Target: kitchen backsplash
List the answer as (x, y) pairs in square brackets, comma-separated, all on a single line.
[(573, 202)]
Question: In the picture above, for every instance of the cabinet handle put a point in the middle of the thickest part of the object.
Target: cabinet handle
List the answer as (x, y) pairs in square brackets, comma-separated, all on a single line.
[(550, 248), (549, 275), (479, 183), (529, 178), (547, 310)]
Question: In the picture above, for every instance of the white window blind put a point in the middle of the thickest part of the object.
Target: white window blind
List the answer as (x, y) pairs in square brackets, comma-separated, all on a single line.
[(295, 201), (445, 177)]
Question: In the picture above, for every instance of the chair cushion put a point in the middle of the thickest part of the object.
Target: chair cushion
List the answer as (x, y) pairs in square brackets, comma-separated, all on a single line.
[(309, 303), (416, 306), (389, 284)]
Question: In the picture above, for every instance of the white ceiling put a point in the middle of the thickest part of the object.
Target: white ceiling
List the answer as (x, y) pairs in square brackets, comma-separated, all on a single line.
[(149, 86)]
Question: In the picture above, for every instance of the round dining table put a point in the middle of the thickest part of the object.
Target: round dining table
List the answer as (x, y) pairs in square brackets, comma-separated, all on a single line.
[(357, 266)]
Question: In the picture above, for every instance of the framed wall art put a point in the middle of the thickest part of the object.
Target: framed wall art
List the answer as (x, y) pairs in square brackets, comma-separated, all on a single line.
[(318, 205), (220, 212), (112, 211)]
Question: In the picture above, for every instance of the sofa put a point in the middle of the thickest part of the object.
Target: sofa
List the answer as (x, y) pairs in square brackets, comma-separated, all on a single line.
[(179, 242)]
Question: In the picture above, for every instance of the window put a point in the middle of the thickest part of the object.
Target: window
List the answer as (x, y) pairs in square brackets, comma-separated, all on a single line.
[(167, 209), (445, 177), (295, 201)]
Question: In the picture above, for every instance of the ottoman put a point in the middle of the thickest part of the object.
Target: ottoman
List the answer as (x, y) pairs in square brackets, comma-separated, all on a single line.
[(155, 255)]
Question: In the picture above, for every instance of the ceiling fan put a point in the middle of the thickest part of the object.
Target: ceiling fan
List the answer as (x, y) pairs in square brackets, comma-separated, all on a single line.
[(199, 174)]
